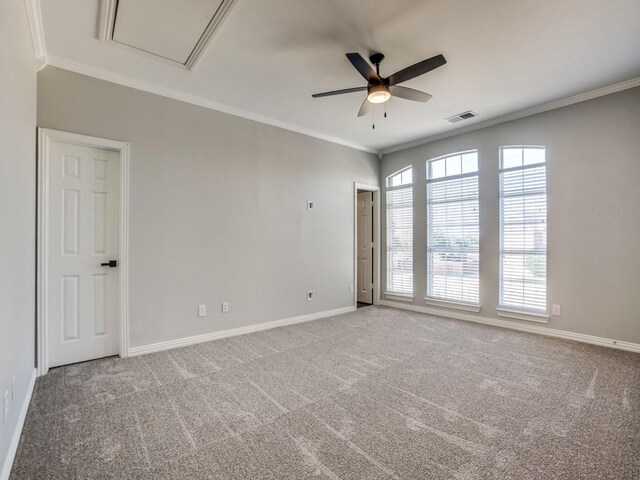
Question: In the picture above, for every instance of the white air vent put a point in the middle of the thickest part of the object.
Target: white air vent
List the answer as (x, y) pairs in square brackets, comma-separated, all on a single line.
[(168, 30), (462, 116)]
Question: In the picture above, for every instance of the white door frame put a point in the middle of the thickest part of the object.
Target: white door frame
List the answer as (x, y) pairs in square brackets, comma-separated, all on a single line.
[(376, 240), (45, 137)]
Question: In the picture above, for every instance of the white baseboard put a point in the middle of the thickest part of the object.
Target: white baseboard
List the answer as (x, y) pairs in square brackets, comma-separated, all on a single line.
[(550, 332), (15, 439), (183, 342)]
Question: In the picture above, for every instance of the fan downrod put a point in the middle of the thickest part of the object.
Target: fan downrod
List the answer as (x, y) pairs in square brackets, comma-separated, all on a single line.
[(376, 59)]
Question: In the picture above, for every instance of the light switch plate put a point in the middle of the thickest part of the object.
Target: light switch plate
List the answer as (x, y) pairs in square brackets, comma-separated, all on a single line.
[(202, 310), (555, 310)]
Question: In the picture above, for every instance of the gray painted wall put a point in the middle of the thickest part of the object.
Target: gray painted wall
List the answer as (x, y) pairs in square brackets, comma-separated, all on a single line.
[(593, 180), (218, 208), (17, 210)]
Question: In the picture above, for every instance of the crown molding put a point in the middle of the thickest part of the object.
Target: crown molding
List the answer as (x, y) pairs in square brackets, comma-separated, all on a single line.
[(83, 69), (565, 102), (195, 100), (34, 15)]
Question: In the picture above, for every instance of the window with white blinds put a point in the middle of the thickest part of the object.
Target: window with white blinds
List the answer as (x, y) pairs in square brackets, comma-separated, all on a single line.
[(400, 232), (523, 229), (453, 228)]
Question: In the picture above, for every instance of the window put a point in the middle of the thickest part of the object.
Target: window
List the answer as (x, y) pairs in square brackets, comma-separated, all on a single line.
[(400, 233), (453, 228), (523, 229)]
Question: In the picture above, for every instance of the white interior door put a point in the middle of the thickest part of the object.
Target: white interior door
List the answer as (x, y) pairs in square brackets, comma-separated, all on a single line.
[(365, 247), (83, 198)]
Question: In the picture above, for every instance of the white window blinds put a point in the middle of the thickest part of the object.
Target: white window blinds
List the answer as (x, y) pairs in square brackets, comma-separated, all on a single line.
[(453, 232), (523, 228), (400, 233)]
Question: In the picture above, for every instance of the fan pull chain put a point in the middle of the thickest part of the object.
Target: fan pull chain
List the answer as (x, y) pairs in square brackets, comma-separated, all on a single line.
[(385, 109), (373, 113)]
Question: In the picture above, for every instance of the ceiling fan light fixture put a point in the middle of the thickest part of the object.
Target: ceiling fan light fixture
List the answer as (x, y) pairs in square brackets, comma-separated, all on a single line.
[(378, 94)]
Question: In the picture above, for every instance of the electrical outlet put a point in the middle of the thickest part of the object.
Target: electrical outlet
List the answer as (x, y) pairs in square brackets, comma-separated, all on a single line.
[(225, 307), (310, 295), (555, 310), (13, 388), (5, 406), (202, 310)]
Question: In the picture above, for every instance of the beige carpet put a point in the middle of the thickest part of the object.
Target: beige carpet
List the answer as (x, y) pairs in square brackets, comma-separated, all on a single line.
[(375, 394)]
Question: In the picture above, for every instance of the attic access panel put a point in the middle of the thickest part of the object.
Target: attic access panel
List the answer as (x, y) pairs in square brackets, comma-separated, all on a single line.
[(171, 30)]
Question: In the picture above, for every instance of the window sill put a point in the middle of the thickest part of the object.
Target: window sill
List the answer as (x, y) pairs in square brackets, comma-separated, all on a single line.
[(523, 315), (467, 307), (402, 297)]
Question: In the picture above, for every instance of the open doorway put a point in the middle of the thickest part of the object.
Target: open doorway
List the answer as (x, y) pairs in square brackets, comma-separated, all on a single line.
[(366, 242)]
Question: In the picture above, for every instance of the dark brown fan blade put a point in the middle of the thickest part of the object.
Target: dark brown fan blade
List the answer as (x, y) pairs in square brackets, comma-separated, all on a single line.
[(409, 94), (364, 68), (416, 70), (339, 92), (364, 109)]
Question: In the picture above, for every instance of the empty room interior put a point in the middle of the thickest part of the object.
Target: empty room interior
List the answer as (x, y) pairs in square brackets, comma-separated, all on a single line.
[(338, 239)]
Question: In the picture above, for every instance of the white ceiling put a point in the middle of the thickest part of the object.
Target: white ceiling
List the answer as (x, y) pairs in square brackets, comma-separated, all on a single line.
[(269, 56), (173, 30)]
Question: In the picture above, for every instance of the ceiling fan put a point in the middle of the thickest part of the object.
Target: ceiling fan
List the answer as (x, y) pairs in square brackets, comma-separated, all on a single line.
[(380, 89)]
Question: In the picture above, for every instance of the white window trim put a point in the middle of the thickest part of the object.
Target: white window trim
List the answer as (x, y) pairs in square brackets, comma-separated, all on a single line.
[(434, 301), (466, 307), (453, 177), (391, 175), (399, 187), (522, 315), (541, 316), (402, 297)]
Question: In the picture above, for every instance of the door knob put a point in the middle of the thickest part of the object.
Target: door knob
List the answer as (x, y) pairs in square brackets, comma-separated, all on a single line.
[(110, 263)]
